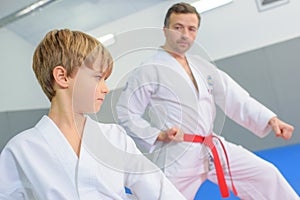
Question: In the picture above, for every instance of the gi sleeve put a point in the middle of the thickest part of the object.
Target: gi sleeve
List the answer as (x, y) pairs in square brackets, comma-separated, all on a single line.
[(132, 103), (146, 180), (12, 187), (238, 105)]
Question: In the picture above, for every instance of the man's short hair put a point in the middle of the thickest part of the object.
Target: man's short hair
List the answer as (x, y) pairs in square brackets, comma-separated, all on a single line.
[(181, 8)]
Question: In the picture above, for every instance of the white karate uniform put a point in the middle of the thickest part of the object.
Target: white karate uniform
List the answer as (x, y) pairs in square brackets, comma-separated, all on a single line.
[(163, 89), (40, 164)]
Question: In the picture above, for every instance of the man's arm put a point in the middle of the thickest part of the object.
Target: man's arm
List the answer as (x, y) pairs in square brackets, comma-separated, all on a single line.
[(132, 104)]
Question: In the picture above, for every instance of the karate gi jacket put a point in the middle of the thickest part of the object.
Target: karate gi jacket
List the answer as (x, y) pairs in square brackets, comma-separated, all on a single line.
[(40, 164), (159, 95)]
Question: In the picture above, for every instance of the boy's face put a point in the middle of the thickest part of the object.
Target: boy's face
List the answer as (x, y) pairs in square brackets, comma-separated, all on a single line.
[(182, 32), (89, 89)]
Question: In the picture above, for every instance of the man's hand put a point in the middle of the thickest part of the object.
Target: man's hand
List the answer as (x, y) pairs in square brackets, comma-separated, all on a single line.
[(172, 134), (281, 129)]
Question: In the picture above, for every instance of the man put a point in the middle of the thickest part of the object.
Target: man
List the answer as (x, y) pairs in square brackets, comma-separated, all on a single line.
[(179, 93)]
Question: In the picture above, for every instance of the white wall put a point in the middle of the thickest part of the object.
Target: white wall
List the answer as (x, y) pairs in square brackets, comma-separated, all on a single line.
[(226, 31), (229, 30), (239, 27), (18, 88)]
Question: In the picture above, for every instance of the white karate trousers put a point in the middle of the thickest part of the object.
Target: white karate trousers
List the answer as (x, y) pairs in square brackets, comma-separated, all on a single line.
[(253, 177)]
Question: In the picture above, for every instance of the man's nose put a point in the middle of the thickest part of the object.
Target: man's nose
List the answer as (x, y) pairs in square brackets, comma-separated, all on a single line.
[(185, 33)]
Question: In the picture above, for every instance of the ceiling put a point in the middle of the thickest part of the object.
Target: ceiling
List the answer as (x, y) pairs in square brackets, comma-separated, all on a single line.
[(81, 15)]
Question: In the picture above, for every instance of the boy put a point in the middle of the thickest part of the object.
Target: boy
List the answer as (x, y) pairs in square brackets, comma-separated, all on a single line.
[(67, 155)]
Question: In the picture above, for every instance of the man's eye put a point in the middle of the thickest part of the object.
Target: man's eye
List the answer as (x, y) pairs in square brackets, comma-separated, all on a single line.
[(98, 77)]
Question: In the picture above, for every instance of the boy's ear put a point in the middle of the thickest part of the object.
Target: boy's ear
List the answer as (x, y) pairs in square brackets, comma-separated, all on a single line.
[(60, 76)]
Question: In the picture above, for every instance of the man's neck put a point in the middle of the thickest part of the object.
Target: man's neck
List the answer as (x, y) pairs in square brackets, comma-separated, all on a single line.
[(174, 54)]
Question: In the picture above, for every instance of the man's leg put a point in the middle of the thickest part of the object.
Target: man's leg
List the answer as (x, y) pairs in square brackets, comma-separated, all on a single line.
[(188, 186), (253, 177)]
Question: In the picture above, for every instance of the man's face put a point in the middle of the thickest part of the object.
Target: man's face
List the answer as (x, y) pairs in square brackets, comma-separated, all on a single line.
[(181, 33)]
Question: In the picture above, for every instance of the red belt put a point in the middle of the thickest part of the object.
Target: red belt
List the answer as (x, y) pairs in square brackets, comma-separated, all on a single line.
[(208, 141)]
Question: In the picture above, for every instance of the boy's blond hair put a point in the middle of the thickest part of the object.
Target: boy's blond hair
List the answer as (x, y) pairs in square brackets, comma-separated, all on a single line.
[(70, 49)]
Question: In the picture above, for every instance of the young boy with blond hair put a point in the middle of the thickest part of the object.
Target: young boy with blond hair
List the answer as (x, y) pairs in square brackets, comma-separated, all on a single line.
[(68, 155)]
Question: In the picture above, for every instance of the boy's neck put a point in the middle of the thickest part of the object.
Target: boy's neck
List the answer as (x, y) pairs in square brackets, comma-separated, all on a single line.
[(69, 123), (64, 117)]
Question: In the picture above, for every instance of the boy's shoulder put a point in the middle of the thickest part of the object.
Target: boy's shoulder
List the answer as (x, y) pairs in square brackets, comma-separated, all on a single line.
[(28, 138), (113, 133), (107, 128), (18, 141)]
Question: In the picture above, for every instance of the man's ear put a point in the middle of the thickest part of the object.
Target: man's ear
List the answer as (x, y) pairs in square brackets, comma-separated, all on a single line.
[(165, 30), (60, 76)]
